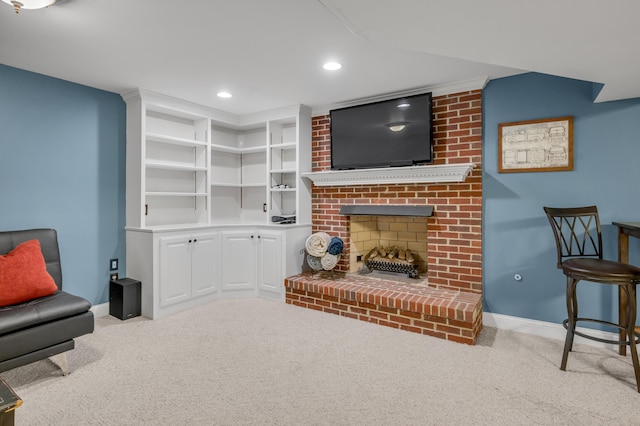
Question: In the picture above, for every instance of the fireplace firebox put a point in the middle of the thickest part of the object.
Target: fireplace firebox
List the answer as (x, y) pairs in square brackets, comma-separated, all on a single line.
[(388, 238)]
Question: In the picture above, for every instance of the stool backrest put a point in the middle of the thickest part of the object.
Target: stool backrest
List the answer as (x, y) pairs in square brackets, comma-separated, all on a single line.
[(577, 232)]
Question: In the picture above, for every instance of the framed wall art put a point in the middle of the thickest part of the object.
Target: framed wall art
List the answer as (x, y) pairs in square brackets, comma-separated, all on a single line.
[(544, 145)]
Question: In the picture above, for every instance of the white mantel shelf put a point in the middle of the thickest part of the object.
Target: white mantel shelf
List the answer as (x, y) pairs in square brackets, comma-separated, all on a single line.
[(436, 173)]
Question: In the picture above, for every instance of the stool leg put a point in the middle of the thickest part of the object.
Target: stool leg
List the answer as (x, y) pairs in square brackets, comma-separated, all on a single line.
[(630, 291), (572, 314), (624, 321)]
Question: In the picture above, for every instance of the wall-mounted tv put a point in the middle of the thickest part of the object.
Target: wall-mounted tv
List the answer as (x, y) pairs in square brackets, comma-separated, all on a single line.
[(391, 133)]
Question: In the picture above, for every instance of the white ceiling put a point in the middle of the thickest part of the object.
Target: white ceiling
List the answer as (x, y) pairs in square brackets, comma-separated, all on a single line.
[(269, 54)]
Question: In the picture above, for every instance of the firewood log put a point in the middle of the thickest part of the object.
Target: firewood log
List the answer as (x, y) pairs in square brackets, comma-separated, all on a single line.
[(372, 253), (402, 254), (392, 252), (382, 252), (409, 256)]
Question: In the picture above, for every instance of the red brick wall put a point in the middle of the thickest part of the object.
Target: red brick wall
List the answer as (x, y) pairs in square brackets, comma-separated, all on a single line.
[(455, 231)]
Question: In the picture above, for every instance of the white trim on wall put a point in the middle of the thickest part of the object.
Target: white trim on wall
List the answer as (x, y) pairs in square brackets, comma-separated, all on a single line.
[(545, 329), (499, 321), (101, 310)]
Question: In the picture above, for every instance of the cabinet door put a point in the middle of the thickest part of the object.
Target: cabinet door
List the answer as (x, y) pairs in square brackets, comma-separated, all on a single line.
[(204, 264), (238, 260), (175, 270), (270, 262)]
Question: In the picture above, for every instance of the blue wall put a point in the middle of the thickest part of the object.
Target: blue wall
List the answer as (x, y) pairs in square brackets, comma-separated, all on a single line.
[(517, 236), (62, 166)]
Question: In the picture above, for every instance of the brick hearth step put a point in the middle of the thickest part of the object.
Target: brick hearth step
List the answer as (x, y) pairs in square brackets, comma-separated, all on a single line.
[(447, 314)]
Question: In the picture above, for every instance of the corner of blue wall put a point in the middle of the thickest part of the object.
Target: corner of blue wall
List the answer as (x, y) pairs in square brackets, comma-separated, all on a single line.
[(517, 238), (62, 166)]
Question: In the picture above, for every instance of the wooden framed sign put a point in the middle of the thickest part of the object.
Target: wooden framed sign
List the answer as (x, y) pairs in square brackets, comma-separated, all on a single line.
[(544, 145)]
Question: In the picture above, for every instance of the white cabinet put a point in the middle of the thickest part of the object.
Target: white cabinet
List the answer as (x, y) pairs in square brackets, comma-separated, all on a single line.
[(205, 255), (280, 255), (175, 270), (187, 267), (256, 260), (182, 269), (252, 261), (178, 270), (238, 261), (270, 260)]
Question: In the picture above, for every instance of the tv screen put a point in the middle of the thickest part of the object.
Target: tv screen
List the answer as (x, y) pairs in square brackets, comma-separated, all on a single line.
[(390, 133)]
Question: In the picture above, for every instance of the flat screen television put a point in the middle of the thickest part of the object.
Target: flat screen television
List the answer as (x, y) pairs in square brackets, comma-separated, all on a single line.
[(392, 133)]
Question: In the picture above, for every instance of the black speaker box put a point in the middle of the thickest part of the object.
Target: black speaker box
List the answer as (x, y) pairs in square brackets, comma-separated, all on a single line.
[(124, 298)]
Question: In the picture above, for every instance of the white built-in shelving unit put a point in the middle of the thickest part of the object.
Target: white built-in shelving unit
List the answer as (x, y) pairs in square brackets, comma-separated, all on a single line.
[(167, 173), (191, 165), (202, 188), (238, 174)]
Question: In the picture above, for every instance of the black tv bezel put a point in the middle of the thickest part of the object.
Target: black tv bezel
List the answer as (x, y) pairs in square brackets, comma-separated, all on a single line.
[(407, 163)]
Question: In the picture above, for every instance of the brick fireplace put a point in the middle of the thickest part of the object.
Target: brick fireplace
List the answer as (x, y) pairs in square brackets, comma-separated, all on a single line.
[(449, 243)]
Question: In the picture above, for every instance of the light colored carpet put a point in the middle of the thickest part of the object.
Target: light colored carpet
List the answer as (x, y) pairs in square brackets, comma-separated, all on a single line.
[(256, 362)]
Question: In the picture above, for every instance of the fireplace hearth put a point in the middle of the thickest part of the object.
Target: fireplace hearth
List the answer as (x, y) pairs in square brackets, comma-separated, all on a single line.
[(447, 314)]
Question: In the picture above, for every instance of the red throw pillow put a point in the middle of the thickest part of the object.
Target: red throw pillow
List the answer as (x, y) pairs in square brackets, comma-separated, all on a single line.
[(23, 275)]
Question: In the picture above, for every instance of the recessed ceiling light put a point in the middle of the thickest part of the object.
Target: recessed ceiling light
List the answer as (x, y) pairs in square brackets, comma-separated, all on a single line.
[(224, 94), (332, 66), (404, 105)]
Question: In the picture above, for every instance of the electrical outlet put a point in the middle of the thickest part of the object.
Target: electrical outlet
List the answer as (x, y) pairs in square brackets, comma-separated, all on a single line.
[(113, 265), (113, 276)]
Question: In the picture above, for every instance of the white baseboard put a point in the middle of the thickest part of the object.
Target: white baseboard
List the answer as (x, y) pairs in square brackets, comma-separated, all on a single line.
[(101, 310), (503, 322), (545, 329)]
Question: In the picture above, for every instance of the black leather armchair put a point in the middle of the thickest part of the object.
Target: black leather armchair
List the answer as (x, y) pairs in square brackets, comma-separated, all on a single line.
[(46, 326)]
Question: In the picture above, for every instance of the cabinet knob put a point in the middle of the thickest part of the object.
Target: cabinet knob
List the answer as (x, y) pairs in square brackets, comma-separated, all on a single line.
[(189, 241), (259, 236), (252, 236), (195, 240)]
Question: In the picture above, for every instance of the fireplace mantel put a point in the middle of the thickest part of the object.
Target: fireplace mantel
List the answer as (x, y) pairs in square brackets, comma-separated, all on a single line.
[(414, 174), (386, 210)]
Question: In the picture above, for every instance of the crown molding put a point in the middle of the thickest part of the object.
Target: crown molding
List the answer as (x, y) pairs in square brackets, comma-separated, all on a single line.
[(174, 106)]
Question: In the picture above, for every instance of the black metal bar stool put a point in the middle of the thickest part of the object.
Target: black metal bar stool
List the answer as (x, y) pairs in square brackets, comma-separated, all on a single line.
[(579, 244)]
